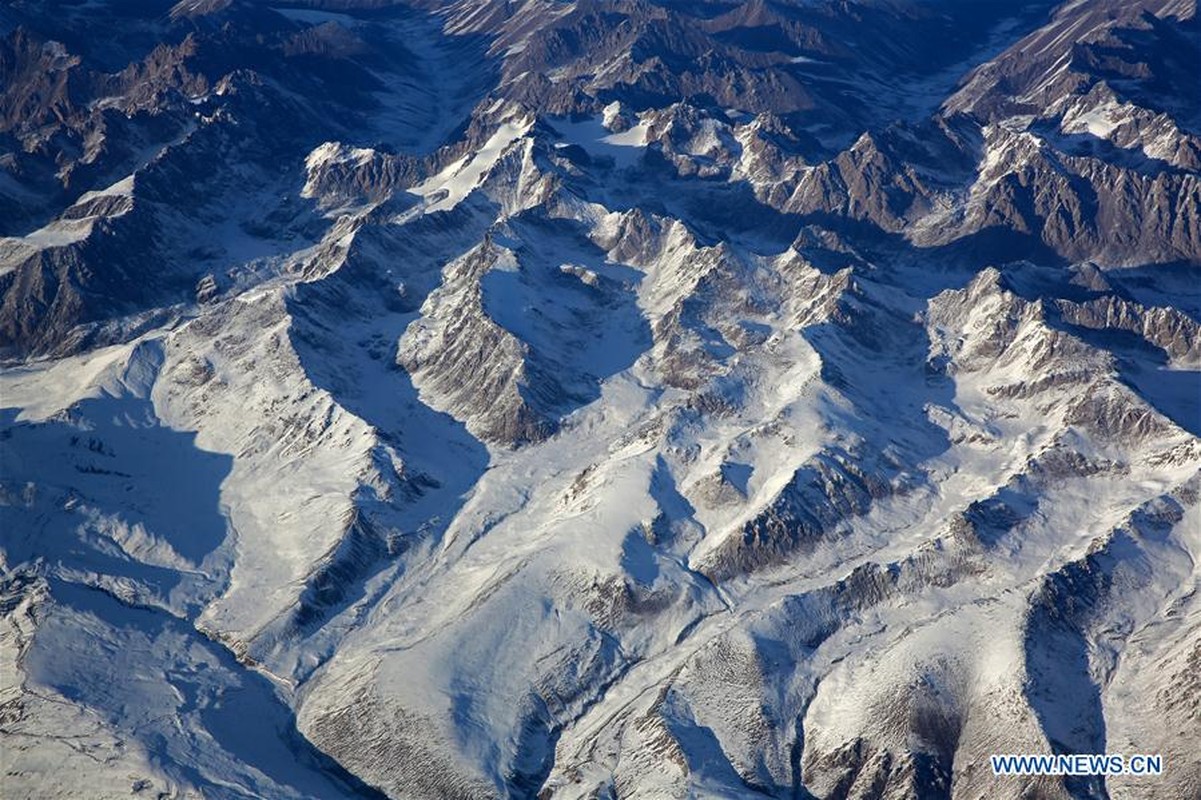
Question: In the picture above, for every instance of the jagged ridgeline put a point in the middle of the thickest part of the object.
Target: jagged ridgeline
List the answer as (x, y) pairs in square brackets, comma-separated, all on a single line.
[(598, 399)]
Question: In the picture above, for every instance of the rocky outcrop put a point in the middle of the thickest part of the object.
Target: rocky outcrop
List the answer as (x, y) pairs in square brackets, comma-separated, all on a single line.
[(473, 367)]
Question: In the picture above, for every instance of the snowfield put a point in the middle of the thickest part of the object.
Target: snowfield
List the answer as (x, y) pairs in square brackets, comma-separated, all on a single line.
[(486, 446)]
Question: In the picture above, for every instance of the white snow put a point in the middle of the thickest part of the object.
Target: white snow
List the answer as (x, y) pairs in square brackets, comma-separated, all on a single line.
[(1099, 121), (592, 135), (175, 508), (449, 187)]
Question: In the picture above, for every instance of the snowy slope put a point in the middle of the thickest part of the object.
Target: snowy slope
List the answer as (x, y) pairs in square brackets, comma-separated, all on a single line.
[(635, 415)]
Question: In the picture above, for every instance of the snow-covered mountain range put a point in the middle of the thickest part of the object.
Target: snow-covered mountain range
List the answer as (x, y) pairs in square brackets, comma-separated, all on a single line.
[(598, 398)]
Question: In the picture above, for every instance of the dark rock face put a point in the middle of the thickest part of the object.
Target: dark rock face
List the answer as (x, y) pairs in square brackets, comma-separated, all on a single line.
[(206, 106), (81, 114)]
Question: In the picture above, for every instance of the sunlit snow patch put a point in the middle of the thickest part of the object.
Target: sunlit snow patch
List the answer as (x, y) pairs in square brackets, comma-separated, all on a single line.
[(625, 148), (63, 232), (445, 190)]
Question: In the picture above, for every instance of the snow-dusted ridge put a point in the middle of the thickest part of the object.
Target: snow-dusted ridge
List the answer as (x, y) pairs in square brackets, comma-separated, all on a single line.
[(630, 416)]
